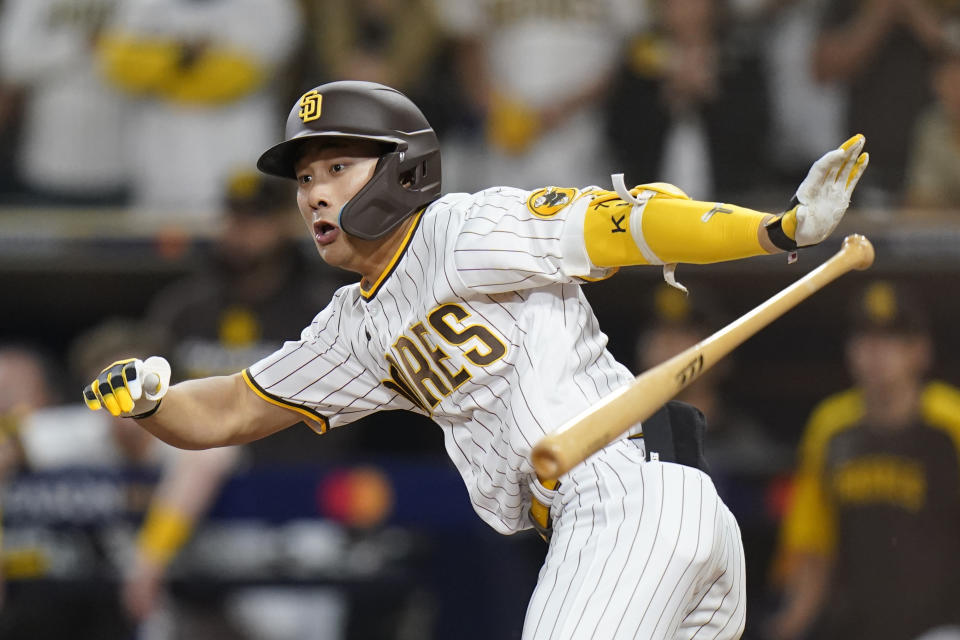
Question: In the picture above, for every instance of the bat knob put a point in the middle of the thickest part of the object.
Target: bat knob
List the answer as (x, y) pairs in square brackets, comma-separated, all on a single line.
[(545, 459), (860, 249), (151, 382)]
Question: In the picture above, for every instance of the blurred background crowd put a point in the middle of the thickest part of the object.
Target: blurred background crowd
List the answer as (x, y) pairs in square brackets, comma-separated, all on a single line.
[(133, 222)]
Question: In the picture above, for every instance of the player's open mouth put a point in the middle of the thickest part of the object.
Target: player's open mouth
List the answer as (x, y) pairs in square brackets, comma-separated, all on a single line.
[(325, 232)]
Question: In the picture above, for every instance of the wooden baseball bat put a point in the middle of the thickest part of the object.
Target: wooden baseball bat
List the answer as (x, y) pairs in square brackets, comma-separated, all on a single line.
[(601, 424)]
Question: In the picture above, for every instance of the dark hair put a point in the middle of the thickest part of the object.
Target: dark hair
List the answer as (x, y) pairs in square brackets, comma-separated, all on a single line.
[(889, 307)]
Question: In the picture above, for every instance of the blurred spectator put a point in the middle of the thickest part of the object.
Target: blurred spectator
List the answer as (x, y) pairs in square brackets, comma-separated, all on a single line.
[(806, 115), (25, 386), (871, 541), (71, 149), (202, 71), (395, 42), (693, 78), (883, 52), (744, 460), (187, 489), (26, 383), (11, 125), (386, 41), (71, 570), (933, 175), (255, 293), (537, 72)]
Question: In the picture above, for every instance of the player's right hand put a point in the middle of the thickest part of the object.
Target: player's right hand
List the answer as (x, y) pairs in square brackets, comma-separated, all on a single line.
[(129, 388), (825, 193)]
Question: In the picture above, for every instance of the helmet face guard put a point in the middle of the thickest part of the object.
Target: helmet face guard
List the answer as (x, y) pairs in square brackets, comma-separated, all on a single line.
[(407, 177)]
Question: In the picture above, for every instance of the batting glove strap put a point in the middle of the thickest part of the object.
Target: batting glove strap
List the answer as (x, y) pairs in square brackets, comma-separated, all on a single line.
[(778, 236), (147, 413)]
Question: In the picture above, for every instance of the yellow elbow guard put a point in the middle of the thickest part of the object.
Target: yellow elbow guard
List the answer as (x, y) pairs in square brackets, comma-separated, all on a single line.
[(164, 532), (665, 226)]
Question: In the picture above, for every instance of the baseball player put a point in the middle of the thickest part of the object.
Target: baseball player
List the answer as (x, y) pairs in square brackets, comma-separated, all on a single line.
[(875, 507), (469, 310)]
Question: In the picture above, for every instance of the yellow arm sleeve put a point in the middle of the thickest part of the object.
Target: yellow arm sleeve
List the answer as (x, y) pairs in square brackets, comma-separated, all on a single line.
[(217, 76), (164, 531), (670, 227), (139, 65), (136, 65)]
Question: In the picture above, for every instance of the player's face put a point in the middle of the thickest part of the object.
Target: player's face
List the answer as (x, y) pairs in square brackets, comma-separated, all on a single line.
[(884, 362), (328, 176)]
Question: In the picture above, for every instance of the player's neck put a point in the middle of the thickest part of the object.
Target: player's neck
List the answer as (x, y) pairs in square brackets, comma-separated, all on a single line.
[(382, 253)]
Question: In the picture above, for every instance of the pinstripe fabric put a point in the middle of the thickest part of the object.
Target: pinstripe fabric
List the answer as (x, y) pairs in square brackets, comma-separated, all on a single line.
[(502, 267), (639, 550)]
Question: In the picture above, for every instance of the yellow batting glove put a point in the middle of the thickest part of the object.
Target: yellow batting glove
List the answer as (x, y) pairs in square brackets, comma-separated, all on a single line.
[(130, 388)]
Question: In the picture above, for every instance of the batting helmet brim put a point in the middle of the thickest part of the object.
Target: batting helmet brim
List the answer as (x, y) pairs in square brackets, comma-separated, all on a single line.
[(281, 159)]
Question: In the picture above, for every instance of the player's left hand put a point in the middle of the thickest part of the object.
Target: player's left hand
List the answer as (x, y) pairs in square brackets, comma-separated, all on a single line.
[(129, 388), (824, 195)]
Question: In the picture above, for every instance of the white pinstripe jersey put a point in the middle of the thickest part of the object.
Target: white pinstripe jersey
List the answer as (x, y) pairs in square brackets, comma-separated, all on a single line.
[(478, 322)]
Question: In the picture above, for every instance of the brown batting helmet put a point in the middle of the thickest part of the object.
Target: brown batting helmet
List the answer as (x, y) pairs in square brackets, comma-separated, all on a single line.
[(407, 176)]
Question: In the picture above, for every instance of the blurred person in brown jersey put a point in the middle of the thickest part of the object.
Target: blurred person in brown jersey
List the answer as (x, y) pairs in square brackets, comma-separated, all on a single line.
[(871, 540)]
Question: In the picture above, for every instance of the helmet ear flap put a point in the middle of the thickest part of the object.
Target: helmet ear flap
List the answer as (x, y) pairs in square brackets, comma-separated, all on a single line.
[(416, 177)]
